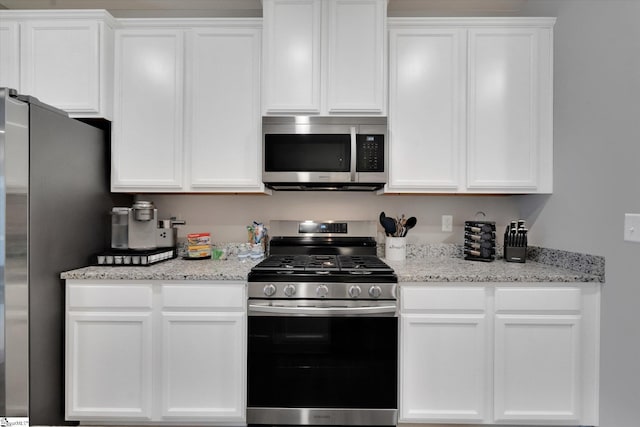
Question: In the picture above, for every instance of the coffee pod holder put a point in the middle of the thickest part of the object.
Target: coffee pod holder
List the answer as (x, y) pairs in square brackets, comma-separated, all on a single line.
[(515, 242), (480, 240)]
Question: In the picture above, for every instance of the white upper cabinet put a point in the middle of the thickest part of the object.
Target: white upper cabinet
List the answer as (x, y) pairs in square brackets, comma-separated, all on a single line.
[(65, 58), (291, 59), (148, 120), (223, 109), (471, 105), (187, 106), (9, 53), (426, 108), (324, 57), (510, 137), (356, 56)]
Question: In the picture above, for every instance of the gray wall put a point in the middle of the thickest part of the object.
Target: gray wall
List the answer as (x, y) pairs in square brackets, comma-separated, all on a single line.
[(596, 176)]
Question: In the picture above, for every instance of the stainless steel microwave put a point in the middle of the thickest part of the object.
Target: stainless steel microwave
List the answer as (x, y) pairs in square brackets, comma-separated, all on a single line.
[(324, 153)]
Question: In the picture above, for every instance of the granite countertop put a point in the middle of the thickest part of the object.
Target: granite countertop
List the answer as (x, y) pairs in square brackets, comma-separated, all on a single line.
[(460, 270), (174, 269), (421, 266)]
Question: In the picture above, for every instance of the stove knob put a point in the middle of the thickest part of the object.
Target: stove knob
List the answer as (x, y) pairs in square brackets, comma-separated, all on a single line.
[(355, 291), (375, 291), (290, 290), (322, 291), (269, 290)]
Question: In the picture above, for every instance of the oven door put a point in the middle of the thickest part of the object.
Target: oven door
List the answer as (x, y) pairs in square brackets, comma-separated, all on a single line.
[(322, 363)]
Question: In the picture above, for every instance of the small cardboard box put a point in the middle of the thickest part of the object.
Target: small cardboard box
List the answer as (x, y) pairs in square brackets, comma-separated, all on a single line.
[(199, 251), (197, 239)]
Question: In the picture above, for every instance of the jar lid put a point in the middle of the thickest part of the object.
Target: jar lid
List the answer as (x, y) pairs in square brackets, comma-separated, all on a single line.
[(142, 204)]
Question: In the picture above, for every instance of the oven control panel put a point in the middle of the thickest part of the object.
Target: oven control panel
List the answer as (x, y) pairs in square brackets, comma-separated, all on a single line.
[(284, 290), (323, 227)]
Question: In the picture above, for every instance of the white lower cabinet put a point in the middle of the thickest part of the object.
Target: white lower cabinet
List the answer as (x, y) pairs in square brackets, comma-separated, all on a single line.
[(444, 355), (154, 352), (517, 354), (108, 352), (203, 331)]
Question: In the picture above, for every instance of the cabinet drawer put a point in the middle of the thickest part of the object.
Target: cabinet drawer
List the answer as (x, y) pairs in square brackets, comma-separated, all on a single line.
[(109, 296), (443, 298), (538, 299), (213, 295)]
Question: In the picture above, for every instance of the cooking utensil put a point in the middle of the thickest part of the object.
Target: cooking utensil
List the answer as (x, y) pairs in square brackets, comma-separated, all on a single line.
[(389, 225), (409, 224)]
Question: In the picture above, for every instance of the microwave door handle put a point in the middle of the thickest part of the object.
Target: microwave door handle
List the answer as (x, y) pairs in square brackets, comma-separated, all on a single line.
[(353, 154)]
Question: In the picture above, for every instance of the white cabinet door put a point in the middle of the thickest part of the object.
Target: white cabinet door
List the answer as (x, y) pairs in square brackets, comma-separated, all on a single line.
[(324, 57), (539, 371), (471, 105), (443, 376), (61, 64), (202, 373), (62, 57), (149, 352), (443, 355), (516, 354), (426, 109), (537, 364), (356, 56), (108, 352), (509, 109), (203, 366), (108, 366), (10, 54), (292, 31), (187, 107), (147, 148), (223, 109)]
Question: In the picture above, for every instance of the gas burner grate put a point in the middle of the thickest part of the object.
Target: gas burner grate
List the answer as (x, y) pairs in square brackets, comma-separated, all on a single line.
[(352, 264), (362, 263), (285, 263)]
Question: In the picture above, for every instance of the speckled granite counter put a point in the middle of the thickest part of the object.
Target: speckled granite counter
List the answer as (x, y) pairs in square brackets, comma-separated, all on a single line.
[(175, 269), (422, 265), (459, 270)]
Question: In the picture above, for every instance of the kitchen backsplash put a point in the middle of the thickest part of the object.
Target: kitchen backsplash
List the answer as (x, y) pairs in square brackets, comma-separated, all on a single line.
[(227, 216)]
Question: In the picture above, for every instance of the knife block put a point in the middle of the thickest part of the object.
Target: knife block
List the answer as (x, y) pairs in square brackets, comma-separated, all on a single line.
[(479, 240), (515, 242), (515, 253)]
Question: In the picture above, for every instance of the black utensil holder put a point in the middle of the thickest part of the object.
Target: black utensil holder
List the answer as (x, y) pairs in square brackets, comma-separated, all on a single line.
[(479, 240)]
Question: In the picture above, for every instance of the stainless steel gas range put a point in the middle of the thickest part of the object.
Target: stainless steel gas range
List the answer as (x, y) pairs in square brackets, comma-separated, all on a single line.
[(323, 328)]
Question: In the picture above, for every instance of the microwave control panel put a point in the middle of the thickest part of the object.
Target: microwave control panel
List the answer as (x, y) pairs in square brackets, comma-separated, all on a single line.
[(370, 153)]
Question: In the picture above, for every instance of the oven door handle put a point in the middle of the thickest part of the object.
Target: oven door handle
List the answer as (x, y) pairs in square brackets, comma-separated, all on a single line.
[(269, 310)]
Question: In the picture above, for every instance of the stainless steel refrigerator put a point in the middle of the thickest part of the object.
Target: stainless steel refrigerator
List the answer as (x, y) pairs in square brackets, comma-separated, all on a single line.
[(54, 196)]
